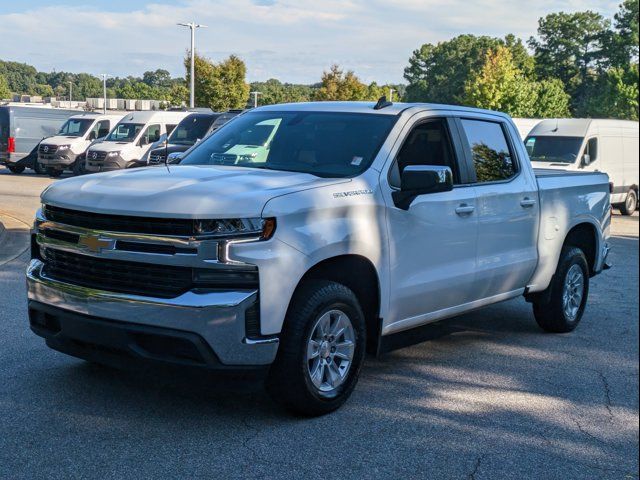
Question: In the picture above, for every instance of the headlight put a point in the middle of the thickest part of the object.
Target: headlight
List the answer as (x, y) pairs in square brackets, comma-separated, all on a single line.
[(262, 228), (113, 154), (63, 147)]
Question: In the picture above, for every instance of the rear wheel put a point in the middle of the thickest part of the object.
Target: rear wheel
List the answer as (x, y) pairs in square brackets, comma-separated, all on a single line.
[(321, 350), (560, 309), (16, 168), (630, 204)]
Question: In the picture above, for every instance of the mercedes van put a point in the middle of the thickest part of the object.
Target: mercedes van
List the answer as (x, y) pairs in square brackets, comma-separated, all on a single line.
[(609, 146), (130, 140), (22, 127), (66, 149)]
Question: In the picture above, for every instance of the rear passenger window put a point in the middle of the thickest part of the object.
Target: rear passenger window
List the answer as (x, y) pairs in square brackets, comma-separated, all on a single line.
[(490, 151)]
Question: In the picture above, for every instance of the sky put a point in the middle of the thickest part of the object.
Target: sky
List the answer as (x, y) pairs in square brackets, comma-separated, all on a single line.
[(294, 41)]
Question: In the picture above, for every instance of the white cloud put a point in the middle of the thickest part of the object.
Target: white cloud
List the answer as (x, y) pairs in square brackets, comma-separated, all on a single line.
[(287, 39)]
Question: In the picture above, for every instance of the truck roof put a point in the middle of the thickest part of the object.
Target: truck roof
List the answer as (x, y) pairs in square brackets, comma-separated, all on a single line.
[(367, 107), (577, 127), (148, 115)]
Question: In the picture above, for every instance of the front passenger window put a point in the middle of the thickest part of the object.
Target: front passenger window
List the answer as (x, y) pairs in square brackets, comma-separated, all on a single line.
[(427, 144), (490, 150)]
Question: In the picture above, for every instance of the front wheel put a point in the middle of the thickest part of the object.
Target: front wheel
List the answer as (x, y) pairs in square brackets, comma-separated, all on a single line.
[(566, 298), (79, 166), (630, 204), (38, 167), (54, 172), (322, 348)]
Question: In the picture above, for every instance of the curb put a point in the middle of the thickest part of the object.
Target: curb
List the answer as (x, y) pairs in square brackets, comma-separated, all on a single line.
[(14, 238)]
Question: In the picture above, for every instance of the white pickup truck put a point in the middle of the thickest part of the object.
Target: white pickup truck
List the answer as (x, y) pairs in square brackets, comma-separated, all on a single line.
[(360, 224)]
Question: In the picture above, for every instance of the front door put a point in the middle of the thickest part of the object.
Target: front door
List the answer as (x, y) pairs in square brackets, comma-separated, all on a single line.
[(432, 245)]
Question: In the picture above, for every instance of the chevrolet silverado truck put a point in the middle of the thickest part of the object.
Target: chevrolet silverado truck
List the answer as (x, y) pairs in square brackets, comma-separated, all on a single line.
[(361, 223)]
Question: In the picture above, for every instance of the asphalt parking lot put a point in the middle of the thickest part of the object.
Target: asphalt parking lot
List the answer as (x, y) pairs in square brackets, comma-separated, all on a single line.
[(497, 398)]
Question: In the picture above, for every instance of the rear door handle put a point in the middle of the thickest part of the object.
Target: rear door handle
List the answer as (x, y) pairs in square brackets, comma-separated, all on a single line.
[(527, 202), (465, 209)]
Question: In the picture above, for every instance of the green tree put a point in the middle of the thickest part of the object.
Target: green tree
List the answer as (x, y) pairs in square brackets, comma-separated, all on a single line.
[(5, 92), (615, 94), (626, 25), (274, 91), (438, 73), (572, 47), (220, 86), (551, 100), (337, 85), (157, 78), (501, 85)]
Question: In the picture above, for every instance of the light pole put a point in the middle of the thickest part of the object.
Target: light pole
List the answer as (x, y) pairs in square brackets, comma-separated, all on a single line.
[(192, 26), (391, 90), (104, 91), (70, 93), (255, 98)]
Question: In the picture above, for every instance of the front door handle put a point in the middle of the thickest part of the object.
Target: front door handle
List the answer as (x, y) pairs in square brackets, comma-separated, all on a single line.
[(527, 202), (465, 209)]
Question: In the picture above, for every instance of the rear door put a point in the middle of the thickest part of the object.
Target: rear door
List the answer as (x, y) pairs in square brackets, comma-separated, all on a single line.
[(507, 206)]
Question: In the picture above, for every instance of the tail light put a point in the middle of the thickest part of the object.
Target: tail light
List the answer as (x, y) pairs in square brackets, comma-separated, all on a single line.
[(610, 187), (11, 145)]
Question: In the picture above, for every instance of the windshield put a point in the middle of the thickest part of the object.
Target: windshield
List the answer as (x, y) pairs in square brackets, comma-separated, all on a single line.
[(125, 132), (75, 127), (553, 149), (189, 130), (325, 144)]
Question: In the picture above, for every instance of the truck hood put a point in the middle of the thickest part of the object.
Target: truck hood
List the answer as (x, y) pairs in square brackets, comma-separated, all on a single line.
[(180, 191)]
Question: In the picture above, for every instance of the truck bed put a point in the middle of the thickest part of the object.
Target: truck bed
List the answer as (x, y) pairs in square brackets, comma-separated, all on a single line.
[(567, 199)]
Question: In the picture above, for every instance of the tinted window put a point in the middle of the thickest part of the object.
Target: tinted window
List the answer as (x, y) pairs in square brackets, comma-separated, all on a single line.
[(189, 130), (321, 143), (490, 151), (553, 149), (592, 149), (75, 127), (428, 144), (125, 132)]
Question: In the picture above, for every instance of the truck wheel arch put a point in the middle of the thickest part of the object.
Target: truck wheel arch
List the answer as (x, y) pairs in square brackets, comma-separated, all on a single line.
[(358, 274), (585, 237)]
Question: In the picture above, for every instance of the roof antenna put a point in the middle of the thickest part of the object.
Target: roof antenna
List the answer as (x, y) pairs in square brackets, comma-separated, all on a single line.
[(382, 103), (557, 126)]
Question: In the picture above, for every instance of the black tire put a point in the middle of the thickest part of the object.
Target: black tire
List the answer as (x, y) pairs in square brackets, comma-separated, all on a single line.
[(38, 168), (79, 166), (549, 309), (630, 204), (16, 168), (54, 172), (289, 381)]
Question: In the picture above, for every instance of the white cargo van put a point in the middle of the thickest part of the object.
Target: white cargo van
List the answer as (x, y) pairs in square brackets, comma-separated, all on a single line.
[(128, 142), (609, 146), (525, 125), (66, 149)]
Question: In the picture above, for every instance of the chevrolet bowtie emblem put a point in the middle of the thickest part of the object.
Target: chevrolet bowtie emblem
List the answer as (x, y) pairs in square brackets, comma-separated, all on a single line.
[(94, 243)]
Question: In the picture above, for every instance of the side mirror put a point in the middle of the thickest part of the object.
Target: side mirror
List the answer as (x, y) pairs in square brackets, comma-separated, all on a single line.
[(586, 160), (174, 157), (144, 141), (419, 180), (93, 135)]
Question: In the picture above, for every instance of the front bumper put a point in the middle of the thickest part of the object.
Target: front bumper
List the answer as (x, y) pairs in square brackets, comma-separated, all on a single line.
[(106, 165), (58, 160), (217, 318)]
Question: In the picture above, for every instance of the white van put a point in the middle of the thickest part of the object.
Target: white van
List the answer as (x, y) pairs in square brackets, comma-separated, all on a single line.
[(60, 152), (131, 138), (525, 125), (609, 146)]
